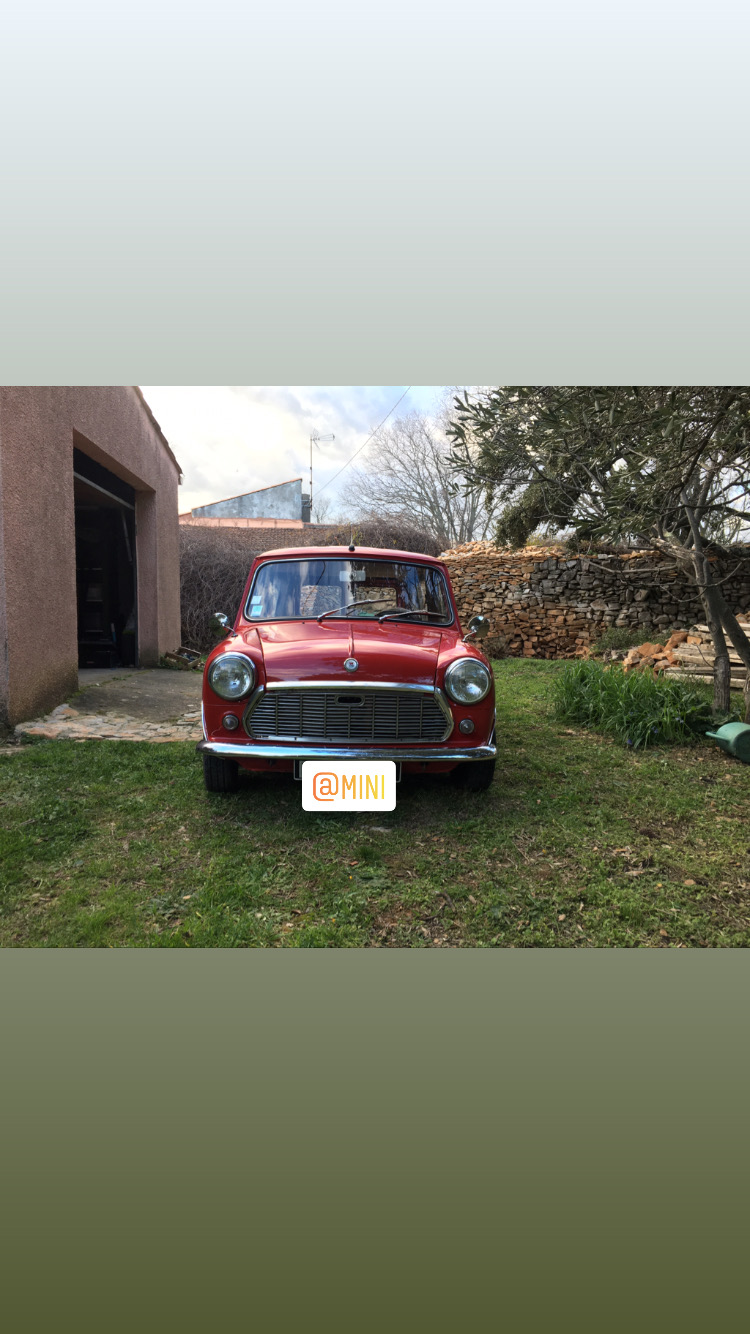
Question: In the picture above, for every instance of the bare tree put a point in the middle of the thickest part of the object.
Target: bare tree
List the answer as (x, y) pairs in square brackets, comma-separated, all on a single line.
[(323, 511), (409, 476)]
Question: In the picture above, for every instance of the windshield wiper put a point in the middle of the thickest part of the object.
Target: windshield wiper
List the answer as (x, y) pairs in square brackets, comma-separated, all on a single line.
[(339, 611), (415, 611)]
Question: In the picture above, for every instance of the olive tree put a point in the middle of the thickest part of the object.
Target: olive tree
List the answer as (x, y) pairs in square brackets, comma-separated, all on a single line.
[(669, 466)]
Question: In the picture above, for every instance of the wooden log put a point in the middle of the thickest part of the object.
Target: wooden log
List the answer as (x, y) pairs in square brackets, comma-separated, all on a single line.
[(692, 667), (734, 658)]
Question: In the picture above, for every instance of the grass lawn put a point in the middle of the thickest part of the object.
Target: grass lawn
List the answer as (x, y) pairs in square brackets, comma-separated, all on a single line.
[(578, 842)]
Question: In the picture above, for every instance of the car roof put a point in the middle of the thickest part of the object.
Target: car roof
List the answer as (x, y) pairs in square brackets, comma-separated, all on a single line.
[(292, 553)]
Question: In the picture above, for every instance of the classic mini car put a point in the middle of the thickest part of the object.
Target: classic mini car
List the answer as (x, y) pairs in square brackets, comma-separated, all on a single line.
[(348, 653)]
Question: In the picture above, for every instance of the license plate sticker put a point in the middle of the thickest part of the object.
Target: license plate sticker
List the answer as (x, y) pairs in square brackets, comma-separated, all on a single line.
[(346, 785)]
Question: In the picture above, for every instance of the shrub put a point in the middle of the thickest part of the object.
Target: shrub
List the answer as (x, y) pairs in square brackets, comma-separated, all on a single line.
[(389, 531), (578, 544), (637, 708), (623, 636), (214, 564), (495, 646)]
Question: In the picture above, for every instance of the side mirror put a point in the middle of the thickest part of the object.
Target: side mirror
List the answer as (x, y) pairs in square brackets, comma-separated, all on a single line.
[(220, 624), (479, 628)]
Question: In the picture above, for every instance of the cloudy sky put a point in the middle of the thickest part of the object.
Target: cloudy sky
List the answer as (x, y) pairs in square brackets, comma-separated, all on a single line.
[(234, 439)]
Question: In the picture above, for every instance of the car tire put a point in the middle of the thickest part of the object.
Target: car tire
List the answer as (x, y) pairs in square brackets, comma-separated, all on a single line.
[(475, 776), (220, 775)]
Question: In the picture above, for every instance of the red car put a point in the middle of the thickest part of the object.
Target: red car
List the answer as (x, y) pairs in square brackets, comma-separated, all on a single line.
[(348, 653)]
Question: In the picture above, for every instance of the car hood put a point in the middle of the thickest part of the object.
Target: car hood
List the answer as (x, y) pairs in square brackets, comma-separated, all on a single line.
[(309, 651)]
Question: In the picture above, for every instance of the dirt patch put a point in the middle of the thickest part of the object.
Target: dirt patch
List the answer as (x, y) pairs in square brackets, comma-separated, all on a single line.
[(398, 926)]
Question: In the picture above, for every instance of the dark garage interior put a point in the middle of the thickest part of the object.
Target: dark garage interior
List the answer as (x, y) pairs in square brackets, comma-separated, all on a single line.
[(105, 566)]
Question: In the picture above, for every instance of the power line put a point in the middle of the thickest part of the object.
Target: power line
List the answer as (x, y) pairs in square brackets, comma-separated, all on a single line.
[(367, 441)]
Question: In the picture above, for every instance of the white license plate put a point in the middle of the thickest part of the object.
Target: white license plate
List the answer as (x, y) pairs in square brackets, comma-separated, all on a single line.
[(348, 785)]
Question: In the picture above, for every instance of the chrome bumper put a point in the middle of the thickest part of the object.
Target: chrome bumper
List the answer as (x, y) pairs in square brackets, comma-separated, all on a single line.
[(250, 750)]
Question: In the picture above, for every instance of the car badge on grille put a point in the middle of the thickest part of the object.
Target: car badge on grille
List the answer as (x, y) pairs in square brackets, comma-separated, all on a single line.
[(351, 664)]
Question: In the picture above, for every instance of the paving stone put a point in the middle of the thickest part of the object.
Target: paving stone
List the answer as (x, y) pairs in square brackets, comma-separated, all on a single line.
[(157, 712), (98, 729), (63, 711)]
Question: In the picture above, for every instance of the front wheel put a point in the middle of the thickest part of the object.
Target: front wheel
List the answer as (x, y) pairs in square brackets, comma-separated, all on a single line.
[(475, 776), (220, 775)]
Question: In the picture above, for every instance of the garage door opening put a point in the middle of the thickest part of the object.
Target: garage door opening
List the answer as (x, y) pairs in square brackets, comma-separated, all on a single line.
[(105, 566)]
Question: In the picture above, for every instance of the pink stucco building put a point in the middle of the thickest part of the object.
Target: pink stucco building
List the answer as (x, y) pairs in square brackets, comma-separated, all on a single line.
[(89, 548)]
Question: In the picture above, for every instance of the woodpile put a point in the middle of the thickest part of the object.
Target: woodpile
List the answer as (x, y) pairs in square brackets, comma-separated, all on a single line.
[(548, 603), (687, 654), (498, 584), (186, 659), (655, 657), (696, 657)]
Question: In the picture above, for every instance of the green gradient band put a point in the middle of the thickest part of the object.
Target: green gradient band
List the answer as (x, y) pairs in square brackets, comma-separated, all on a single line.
[(374, 1140)]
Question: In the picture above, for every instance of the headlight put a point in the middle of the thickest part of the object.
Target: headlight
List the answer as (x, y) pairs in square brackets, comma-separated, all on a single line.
[(231, 676), (467, 681)]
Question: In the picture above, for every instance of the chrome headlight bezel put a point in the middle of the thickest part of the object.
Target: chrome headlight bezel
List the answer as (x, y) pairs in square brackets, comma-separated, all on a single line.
[(452, 686), (238, 661)]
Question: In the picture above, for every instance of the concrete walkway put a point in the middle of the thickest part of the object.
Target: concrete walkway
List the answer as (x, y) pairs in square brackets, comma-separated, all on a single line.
[(126, 705)]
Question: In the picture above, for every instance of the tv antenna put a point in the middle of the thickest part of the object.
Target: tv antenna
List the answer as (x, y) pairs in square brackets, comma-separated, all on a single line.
[(316, 439)]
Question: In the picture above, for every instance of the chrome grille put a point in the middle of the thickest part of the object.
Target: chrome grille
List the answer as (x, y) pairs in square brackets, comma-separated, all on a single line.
[(331, 714)]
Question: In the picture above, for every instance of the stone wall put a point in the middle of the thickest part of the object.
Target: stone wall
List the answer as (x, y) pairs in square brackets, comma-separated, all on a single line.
[(550, 604)]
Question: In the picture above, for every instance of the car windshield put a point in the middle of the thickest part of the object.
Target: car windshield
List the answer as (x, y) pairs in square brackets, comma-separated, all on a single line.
[(295, 589)]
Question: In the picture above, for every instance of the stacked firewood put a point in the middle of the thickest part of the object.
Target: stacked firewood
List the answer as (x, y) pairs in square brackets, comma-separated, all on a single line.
[(520, 594), (687, 653), (655, 657), (549, 603), (696, 657)]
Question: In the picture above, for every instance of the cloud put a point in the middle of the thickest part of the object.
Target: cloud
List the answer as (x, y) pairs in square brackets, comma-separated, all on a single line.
[(237, 438)]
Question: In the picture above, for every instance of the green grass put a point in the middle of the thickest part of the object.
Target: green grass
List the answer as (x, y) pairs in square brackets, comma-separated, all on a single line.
[(579, 842), (636, 708)]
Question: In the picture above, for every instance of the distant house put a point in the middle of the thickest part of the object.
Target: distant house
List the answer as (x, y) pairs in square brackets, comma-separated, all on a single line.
[(89, 540), (283, 506)]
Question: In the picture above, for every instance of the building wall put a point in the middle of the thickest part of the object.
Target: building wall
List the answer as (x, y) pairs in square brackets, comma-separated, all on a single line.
[(38, 430), (272, 502), (191, 521)]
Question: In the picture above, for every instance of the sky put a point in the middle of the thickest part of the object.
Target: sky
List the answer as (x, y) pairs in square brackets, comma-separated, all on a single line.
[(232, 439)]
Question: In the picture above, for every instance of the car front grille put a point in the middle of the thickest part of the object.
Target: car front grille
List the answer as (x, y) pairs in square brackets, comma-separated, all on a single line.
[(340, 715)]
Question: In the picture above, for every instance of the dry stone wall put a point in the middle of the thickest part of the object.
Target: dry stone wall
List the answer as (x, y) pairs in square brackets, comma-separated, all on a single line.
[(550, 604)]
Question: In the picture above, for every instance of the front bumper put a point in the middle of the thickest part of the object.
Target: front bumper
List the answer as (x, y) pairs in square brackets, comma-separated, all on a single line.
[(249, 750)]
